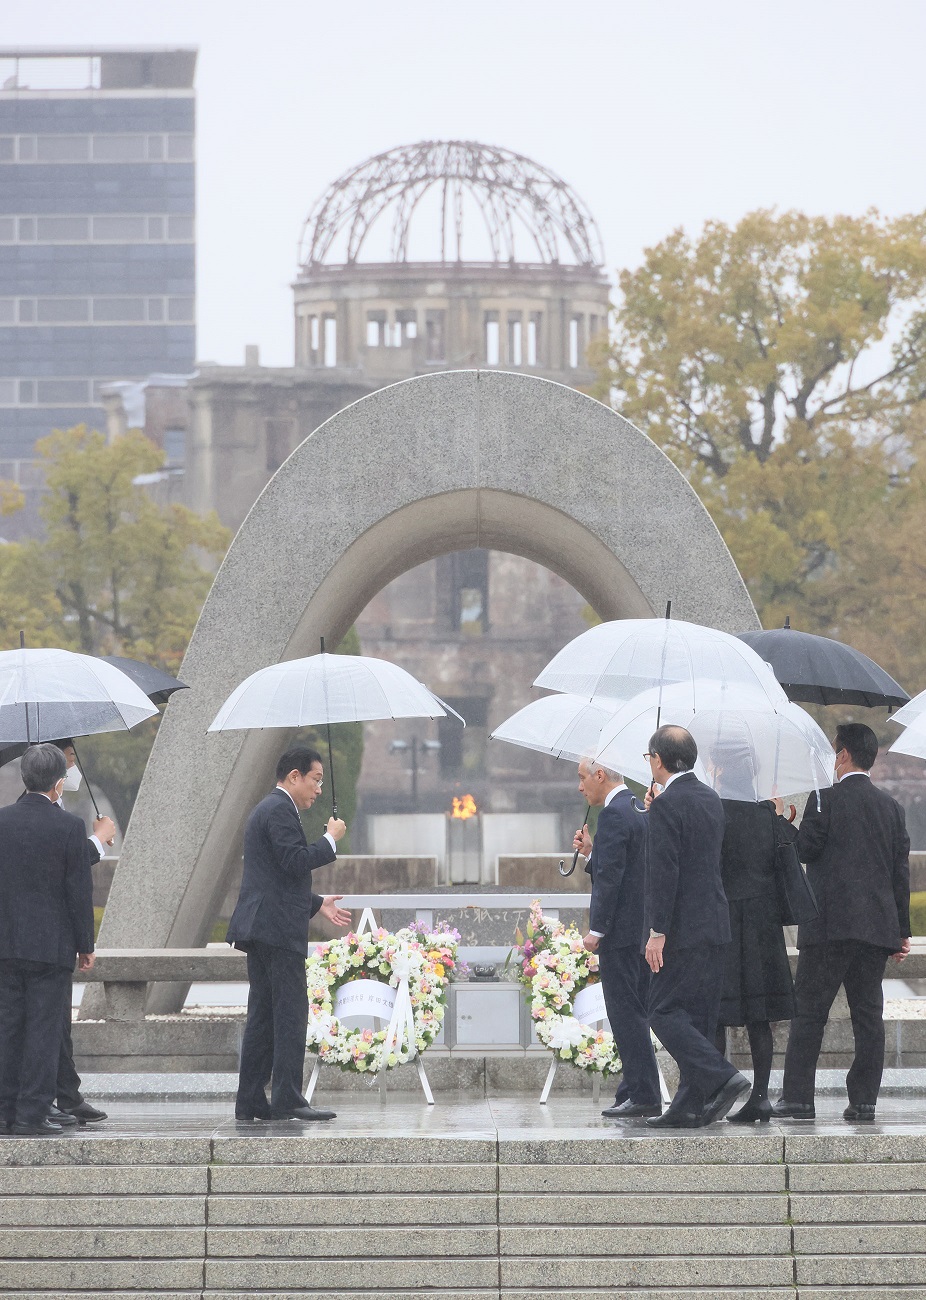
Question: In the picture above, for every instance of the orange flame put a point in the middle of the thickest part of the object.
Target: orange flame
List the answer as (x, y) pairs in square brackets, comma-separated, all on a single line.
[(464, 808)]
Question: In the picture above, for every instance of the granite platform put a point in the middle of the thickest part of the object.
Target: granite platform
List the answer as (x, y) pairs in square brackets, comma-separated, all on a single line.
[(494, 1198)]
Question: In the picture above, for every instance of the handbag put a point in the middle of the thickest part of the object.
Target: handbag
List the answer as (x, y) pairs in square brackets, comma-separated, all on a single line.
[(796, 901)]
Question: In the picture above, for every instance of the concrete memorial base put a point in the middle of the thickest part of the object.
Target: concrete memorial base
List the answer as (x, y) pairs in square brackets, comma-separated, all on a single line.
[(495, 1199)]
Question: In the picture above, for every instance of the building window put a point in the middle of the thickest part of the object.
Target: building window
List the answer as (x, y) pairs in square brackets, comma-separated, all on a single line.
[(128, 229), (376, 326), (407, 322), (469, 586), (313, 334), (123, 148), (331, 341), (514, 340), (574, 342), (491, 338), (103, 148), (109, 310), (434, 335), (53, 230), (175, 446), (463, 749), (180, 309), (60, 391), (7, 311), (62, 148), (533, 339), (180, 226), (65, 311)]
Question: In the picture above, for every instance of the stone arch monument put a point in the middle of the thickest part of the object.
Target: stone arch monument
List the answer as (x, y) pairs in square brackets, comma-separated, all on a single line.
[(439, 463)]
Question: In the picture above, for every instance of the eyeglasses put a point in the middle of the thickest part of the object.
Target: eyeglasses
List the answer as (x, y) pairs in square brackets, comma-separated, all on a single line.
[(648, 755)]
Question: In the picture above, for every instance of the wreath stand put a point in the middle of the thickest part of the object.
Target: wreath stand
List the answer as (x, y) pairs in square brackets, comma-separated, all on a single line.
[(596, 1081), (400, 1029)]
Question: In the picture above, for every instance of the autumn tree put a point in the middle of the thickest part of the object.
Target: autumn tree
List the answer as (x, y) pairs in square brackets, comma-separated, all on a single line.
[(781, 363), (114, 573)]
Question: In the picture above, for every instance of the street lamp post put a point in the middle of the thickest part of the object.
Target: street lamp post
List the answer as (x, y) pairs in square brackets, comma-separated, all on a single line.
[(415, 745)]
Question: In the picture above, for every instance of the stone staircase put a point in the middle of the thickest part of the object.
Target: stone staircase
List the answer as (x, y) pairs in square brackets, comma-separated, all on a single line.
[(485, 1214)]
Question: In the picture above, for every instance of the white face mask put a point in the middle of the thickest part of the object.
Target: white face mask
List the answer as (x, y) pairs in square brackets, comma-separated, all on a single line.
[(73, 778)]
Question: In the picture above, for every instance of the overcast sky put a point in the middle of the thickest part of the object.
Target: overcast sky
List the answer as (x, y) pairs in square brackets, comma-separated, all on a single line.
[(658, 114)]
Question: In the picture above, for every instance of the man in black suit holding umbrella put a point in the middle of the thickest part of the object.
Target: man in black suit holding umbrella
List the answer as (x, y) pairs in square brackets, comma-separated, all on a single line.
[(46, 921), (688, 920), (271, 924), (857, 852)]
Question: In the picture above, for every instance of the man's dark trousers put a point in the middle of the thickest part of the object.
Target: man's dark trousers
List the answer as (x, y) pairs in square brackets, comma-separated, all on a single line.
[(32, 999), (684, 1007), (821, 969), (625, 979), (68, 1094), (274, 1037)]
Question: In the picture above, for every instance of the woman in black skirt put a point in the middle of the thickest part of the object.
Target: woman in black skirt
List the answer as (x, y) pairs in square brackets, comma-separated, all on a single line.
[(758, 988)]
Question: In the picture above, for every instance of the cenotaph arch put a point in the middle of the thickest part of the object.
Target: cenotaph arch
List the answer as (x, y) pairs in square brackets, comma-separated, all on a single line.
[(438, 463)]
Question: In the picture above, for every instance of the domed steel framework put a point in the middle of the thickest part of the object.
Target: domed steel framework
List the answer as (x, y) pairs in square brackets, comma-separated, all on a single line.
[(515, 196)]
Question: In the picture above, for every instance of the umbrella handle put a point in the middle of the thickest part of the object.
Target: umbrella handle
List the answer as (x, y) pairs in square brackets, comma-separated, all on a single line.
[(563, 869)]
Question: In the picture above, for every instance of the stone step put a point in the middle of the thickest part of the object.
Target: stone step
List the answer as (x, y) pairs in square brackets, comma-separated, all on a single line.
[(311, 1180), (101, 1149), (316, 1147), (851, 1177), (102, 1211), (862, 1239), (669, 1149), (102, 1243), (859, 1271), (102, 1276), (448, 1208), (743, 1271), (103, 1180), (353, 1243), (641, 1239), (678, 1208), (563, 1179), (866, 1207), (376, 1276), (648, 1293)]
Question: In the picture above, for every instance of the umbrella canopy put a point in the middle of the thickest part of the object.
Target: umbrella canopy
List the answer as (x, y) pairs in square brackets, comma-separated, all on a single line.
[(154, 682), (49, 694), (818, 670), (619, 660), (746, 749), (913, 718), (911, 711), (327, 688), (565, 726)]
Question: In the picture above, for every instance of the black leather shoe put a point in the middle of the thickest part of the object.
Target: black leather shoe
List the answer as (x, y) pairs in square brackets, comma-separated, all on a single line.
[(862, 1112), (61, 1117), (305, 1113), (674, 1119), (44, 1128), (793, 1109), (754, 1110), (631, 1110), (725, 1098), (87, 1114)]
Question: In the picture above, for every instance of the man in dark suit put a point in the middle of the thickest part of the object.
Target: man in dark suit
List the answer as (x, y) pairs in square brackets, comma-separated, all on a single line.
[(857, 852), (72, 1106), (46, 920), (271, 924), (689, 924), (616, 864)]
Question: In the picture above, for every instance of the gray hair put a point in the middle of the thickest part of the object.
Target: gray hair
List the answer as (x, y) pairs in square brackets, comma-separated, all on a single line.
[(42, 767), (591, 766)]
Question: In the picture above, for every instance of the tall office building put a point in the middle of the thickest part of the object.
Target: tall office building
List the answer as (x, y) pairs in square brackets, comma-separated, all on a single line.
[(97, 251)]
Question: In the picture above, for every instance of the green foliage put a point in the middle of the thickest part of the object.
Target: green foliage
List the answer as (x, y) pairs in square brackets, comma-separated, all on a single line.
[(115, 573), (347, 755), (918, 912), (781, 363)]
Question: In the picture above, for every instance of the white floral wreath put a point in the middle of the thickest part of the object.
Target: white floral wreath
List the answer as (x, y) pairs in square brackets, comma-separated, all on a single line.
[(555, 968), (424, 958)]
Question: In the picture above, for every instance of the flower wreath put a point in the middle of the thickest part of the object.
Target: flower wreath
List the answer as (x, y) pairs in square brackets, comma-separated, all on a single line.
[(554, 967), (426, 957)]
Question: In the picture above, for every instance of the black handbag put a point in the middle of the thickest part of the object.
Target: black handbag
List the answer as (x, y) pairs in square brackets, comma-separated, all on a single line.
[(796, 902)]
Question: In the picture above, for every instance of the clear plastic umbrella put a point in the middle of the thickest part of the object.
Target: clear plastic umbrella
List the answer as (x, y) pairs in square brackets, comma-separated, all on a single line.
[(564, 726), (747, 750), (912, 739), (619, 660), (53, 694), (912, 711), (326, 689)]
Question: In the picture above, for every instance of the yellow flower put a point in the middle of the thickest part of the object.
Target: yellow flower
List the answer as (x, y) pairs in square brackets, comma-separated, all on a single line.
[(438, 969)]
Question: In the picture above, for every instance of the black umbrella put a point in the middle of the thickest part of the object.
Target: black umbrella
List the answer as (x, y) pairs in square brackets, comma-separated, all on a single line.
[(817, 670), (156, 684)]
